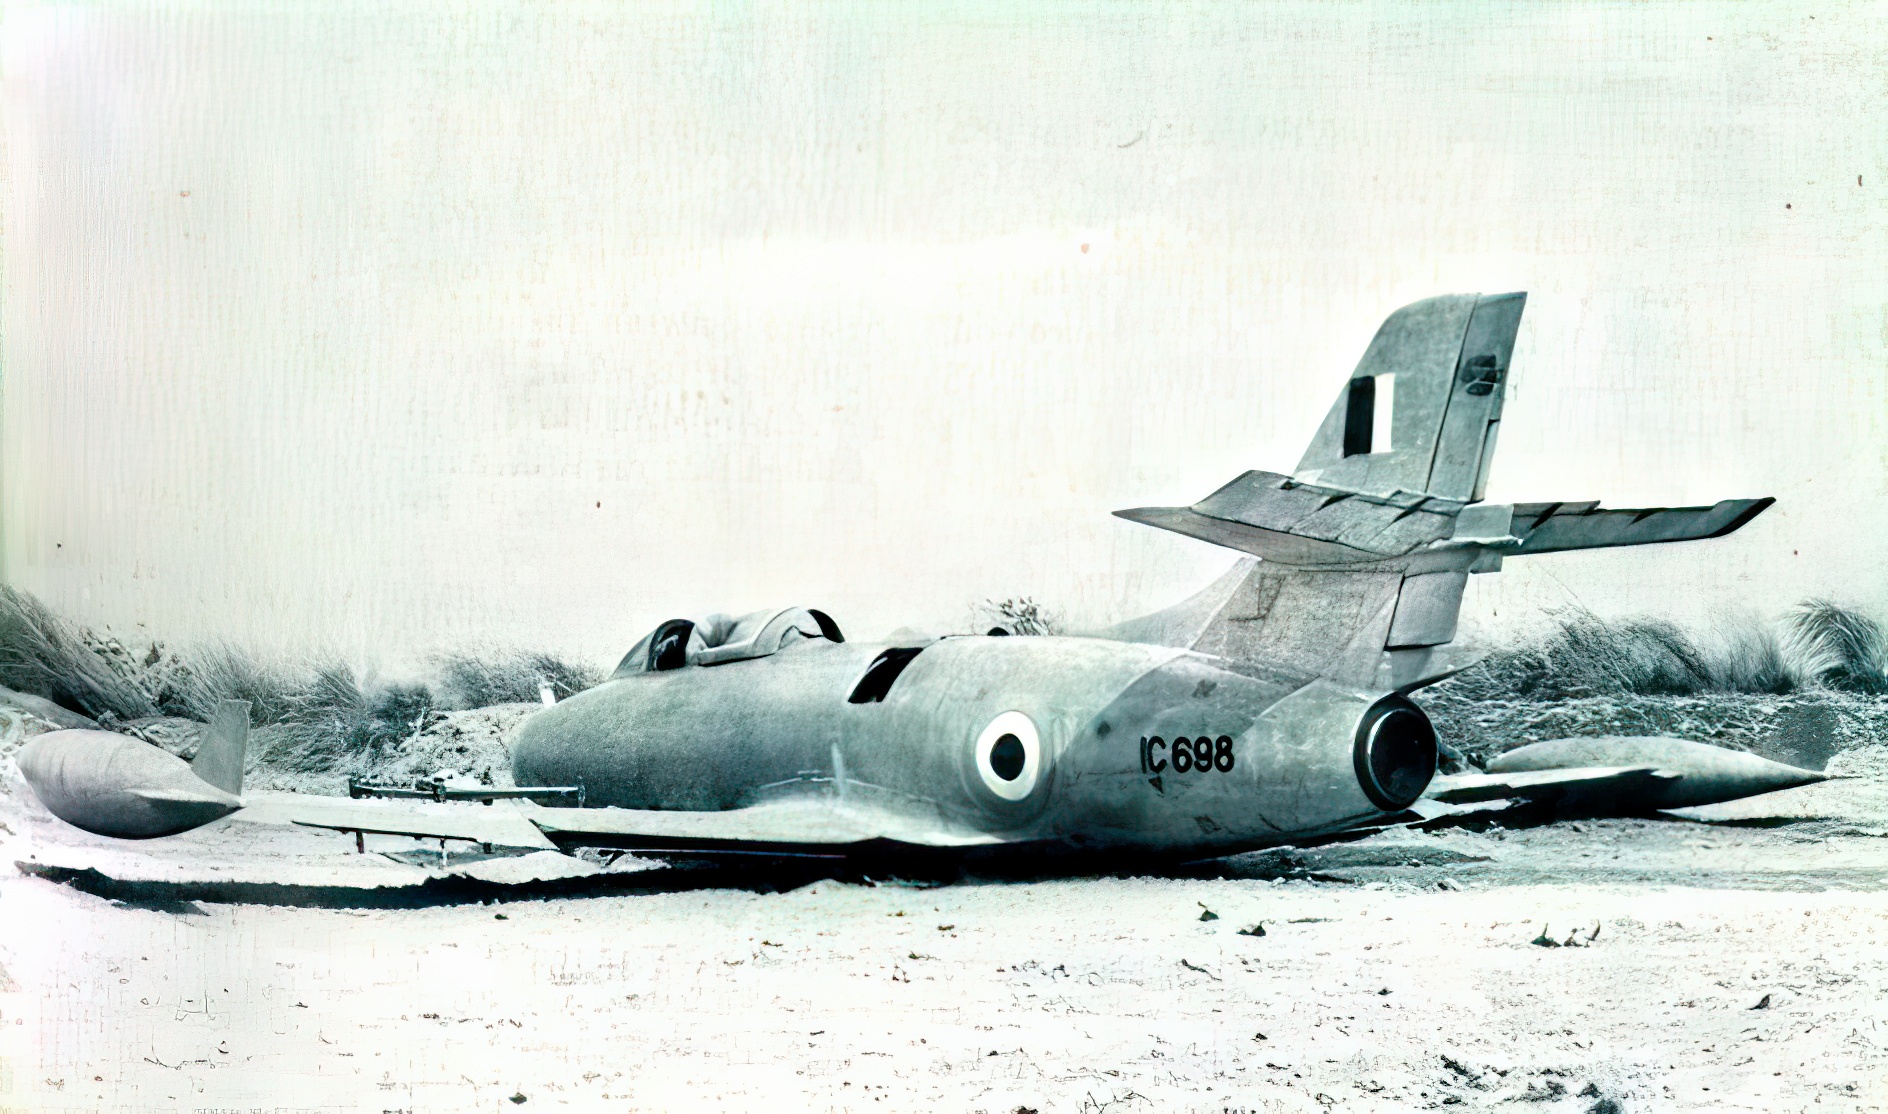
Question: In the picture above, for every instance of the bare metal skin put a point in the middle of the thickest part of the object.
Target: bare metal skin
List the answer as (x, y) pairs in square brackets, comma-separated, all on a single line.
[(1695, 773)]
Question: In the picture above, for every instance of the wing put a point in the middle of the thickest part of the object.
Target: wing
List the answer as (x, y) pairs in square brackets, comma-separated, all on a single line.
[(808, 827), (786, 828), (208, 795)]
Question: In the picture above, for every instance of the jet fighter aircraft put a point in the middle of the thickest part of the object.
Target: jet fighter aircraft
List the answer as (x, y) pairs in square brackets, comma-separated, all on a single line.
[(1272, 707)]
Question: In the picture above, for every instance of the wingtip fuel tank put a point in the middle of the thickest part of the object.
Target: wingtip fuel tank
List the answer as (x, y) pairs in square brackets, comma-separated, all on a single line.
[(115, 785), (1697, 773)]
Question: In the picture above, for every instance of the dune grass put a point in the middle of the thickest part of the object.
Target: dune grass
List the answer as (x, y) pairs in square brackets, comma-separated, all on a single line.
[(1585, 655), (1836, 647), (1022, 615), (480, 680), (316, 714), (1817, 645), (323, 714), (43, 655)]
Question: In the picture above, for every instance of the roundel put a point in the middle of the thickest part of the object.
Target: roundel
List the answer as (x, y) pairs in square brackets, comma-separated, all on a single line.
[(1009, 756)]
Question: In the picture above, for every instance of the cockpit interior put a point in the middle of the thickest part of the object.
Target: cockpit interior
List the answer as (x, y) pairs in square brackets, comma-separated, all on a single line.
[(719, 639)]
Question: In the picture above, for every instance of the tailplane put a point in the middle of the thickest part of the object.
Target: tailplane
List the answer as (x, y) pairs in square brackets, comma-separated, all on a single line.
[(1365, 548)]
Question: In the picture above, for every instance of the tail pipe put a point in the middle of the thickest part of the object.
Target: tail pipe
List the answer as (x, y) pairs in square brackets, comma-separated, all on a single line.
[(1395, 753)]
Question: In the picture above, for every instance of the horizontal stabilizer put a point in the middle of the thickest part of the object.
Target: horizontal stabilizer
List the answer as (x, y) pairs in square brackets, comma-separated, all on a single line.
[(1528, 528), (1292, 523), (1366, 548)]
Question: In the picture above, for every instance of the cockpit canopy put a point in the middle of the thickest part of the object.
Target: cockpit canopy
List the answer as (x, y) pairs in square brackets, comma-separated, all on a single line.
[(719, 639)]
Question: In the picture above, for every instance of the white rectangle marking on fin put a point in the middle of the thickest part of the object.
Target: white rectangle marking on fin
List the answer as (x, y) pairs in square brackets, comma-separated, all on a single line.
[(1380, 422)]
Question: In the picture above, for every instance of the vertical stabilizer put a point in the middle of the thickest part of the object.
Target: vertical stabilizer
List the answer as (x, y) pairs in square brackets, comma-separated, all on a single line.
[(1419, 413), (1352, 584), (219, 759), (1365, 549)]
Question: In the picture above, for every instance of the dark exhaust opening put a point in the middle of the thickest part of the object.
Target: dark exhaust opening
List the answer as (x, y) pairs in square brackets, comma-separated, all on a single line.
[(1395, 753)]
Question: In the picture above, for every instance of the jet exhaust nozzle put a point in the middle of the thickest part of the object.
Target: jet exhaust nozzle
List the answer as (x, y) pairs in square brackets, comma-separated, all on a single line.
[(1395, 753)]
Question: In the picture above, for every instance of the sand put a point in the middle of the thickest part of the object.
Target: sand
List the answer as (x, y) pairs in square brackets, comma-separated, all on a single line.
[(1738, 965)]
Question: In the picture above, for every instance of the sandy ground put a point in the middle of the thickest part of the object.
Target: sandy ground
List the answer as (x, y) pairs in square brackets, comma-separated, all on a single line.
[(1740, 964)]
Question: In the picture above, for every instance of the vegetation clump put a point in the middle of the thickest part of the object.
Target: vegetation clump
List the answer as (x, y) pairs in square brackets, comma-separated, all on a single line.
[(1022, 615), (1820, 645), (42, 655), (1836, 647), (480, 680), (313, 715), (1585, 655)]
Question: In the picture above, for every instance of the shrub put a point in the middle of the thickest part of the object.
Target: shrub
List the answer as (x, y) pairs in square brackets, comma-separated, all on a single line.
[(1022, 615), (42, 655), (480, 680), (331, 719), (1751, 660), (1836, 647), (220, 671), (1585, 655)]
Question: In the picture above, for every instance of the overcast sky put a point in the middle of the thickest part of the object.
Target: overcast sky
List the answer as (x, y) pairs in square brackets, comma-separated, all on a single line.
[(390, 331)]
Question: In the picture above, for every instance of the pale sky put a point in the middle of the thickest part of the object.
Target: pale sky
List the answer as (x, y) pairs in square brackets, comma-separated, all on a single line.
[(389, 331)]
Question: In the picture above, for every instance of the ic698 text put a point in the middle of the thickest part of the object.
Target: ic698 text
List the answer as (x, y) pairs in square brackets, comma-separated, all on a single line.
[(1199, 754)]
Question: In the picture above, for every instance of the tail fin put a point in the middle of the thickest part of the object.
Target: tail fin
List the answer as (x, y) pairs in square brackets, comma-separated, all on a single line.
[(1420, 412), (1367, 546), (219, 759)]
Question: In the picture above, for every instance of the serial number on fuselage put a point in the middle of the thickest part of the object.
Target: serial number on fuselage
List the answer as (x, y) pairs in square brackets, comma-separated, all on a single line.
[(1187, 755)]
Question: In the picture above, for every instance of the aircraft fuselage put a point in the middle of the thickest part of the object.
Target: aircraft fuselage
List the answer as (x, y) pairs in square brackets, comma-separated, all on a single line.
[(1135, 745)]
